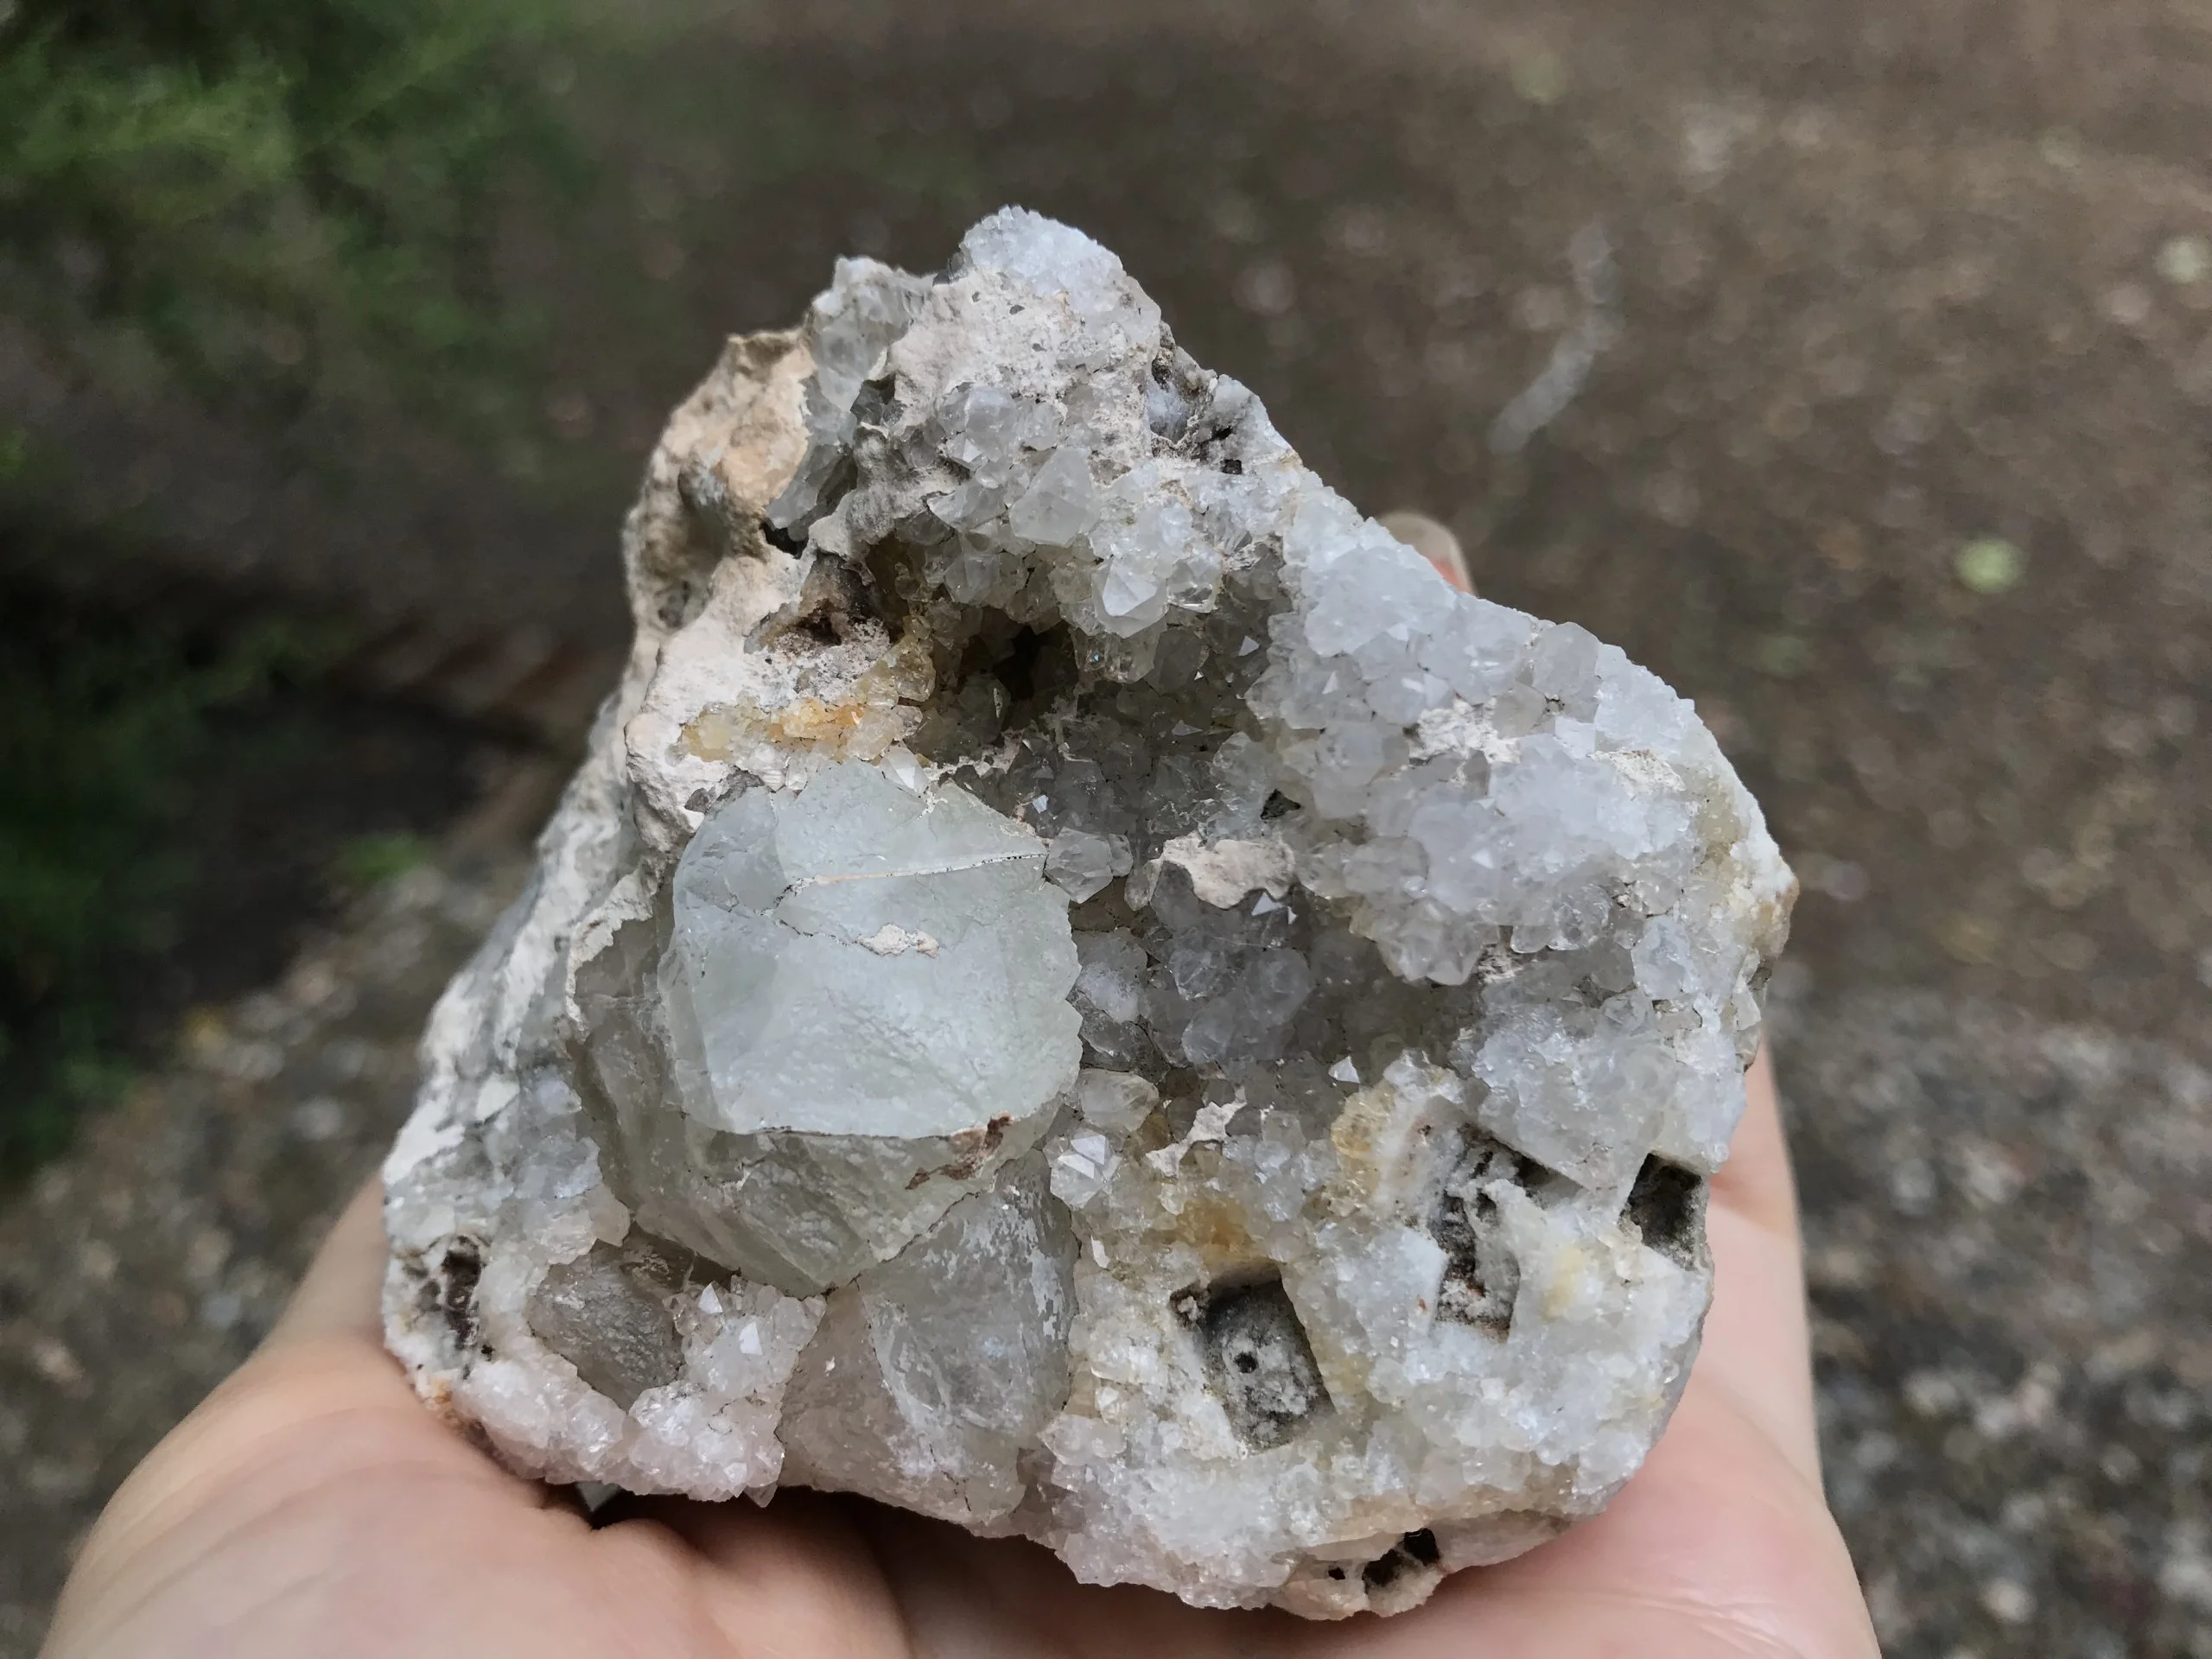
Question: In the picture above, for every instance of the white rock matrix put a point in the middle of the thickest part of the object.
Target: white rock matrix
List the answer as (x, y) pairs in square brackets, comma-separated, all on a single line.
[(1081, 991)]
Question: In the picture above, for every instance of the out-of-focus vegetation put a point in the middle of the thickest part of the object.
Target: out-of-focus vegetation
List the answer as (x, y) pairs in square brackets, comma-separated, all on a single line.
[(291, 204), (105, 726), (367, 861), (286, 210), (309, 210)]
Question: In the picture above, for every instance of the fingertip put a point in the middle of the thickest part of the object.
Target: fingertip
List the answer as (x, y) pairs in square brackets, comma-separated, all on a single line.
[(1434, 541), (1756, 1335)]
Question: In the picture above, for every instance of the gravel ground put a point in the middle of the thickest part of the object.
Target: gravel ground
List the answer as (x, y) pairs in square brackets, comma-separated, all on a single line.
[(2008, 1233), (1889, 451)]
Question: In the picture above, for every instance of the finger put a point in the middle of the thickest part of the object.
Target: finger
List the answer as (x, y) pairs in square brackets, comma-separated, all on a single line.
[(320, 1405), (974, 1596), (329, 1341), (1433, 542), (1717, 1547), (343, 1291), (1756, 1182), (1722, 1543), (1756, 1343), (796, 1578)]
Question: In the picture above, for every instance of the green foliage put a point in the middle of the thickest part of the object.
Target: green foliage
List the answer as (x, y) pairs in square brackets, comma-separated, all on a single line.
[(287, 201), (102, 726), (369, 861)]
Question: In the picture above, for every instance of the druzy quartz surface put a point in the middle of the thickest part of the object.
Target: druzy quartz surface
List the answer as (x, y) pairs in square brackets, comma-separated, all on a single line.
[(1081, 991)]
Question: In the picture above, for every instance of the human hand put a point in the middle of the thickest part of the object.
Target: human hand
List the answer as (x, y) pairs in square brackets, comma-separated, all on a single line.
[(312, 1506)]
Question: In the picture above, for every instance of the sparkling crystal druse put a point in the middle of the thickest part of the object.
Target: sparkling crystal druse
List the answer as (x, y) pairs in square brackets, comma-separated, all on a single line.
[(1081, 991)]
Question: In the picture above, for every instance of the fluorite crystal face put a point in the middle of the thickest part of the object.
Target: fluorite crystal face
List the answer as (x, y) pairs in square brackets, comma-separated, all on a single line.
[(1081, 991)]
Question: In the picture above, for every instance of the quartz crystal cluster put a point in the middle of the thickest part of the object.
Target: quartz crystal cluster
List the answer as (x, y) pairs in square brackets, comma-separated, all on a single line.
[(1081, 991)]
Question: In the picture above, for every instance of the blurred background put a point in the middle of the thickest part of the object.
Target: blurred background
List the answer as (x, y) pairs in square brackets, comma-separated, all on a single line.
[(1849, 362)]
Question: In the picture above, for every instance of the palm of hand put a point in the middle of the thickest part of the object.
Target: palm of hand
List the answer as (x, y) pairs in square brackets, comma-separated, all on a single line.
[(312, 1506)]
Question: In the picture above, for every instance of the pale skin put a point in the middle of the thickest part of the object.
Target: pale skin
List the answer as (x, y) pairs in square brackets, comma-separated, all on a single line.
[(313, 1507)]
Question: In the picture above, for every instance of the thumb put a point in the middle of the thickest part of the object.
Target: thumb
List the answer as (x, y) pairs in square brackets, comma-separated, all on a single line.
[(342, 1292)]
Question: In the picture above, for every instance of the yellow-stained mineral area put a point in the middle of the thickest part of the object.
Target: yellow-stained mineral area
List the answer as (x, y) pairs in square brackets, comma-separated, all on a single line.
[(880, 709)]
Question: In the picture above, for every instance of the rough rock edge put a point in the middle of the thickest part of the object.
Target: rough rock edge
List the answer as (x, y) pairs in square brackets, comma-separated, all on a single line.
[(699, 564)]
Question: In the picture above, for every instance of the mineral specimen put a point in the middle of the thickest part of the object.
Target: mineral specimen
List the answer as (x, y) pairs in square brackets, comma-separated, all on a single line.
[(1082, 991)]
